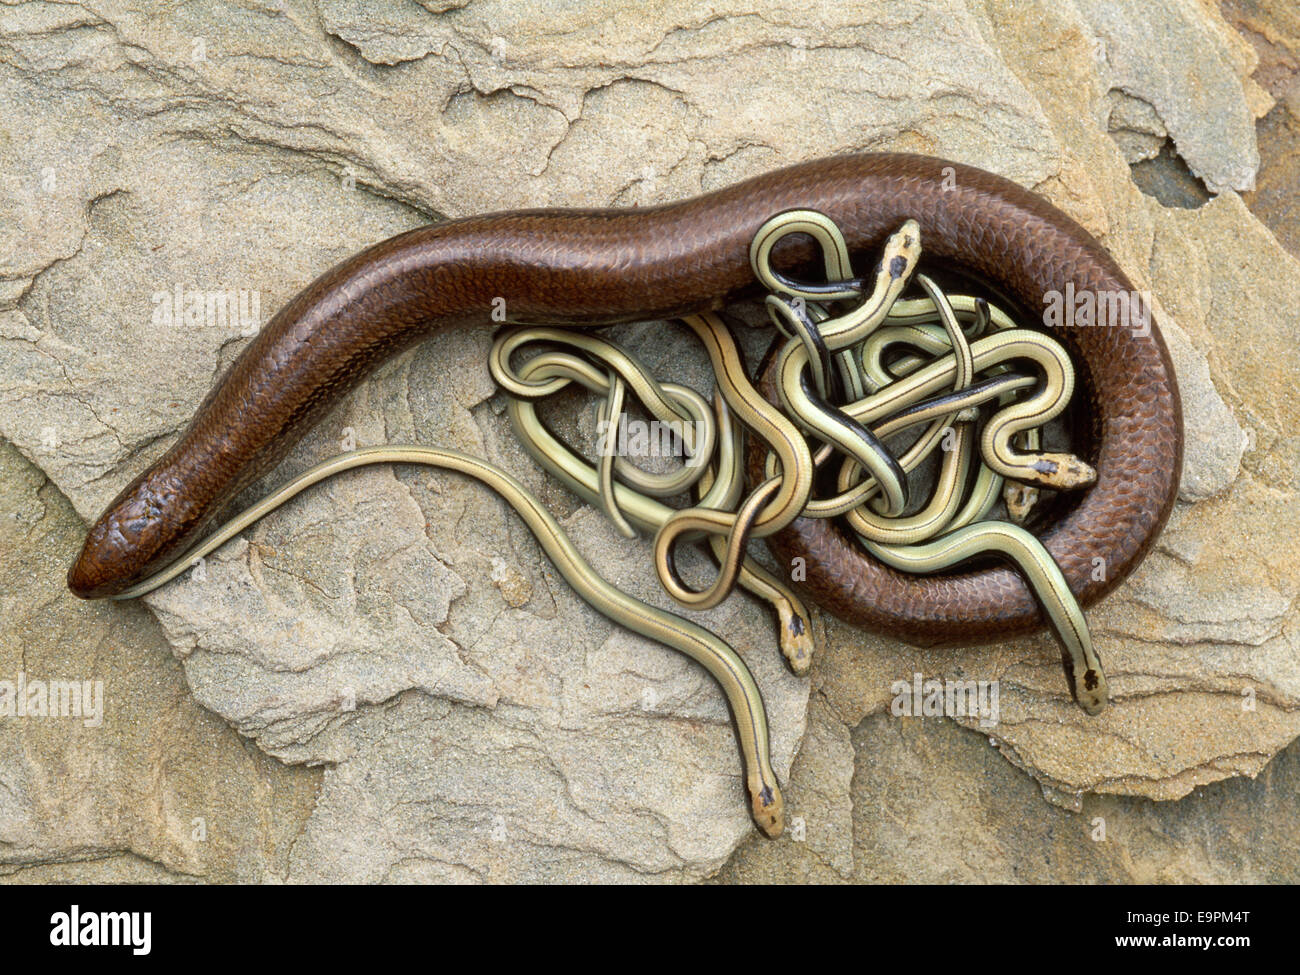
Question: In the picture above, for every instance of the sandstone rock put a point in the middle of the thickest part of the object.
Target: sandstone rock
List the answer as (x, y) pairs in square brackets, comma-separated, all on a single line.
[(401, 628)]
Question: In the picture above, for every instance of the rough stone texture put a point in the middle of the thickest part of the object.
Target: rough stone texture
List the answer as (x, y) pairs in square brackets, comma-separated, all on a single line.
[(933, 803), (1202, 101), (401, 628), (161, 790), (1274, 30)]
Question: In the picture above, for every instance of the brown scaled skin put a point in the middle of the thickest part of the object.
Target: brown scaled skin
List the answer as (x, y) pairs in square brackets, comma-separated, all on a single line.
[(604, 266)]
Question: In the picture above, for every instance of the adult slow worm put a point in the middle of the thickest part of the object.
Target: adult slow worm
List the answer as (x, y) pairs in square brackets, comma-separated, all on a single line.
[(597, 267)]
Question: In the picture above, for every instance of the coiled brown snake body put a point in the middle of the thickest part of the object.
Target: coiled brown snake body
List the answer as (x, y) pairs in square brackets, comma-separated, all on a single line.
[(604, 266)]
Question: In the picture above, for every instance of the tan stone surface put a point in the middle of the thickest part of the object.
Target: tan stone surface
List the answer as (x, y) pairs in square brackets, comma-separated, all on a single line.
[(156, 790), (476, 721)]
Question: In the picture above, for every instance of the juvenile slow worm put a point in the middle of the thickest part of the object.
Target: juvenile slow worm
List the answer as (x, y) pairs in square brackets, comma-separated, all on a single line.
[(744, 700)]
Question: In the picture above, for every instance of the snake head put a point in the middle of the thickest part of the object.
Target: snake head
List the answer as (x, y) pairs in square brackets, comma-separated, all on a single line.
[(150, 523), (767, 806), (1090, 690), (901, 253), (1061, 472), (1019, 499), (796, 640)]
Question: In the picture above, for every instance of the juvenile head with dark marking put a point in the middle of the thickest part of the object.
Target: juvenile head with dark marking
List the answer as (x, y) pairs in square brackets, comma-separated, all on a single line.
[(901, 252)]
